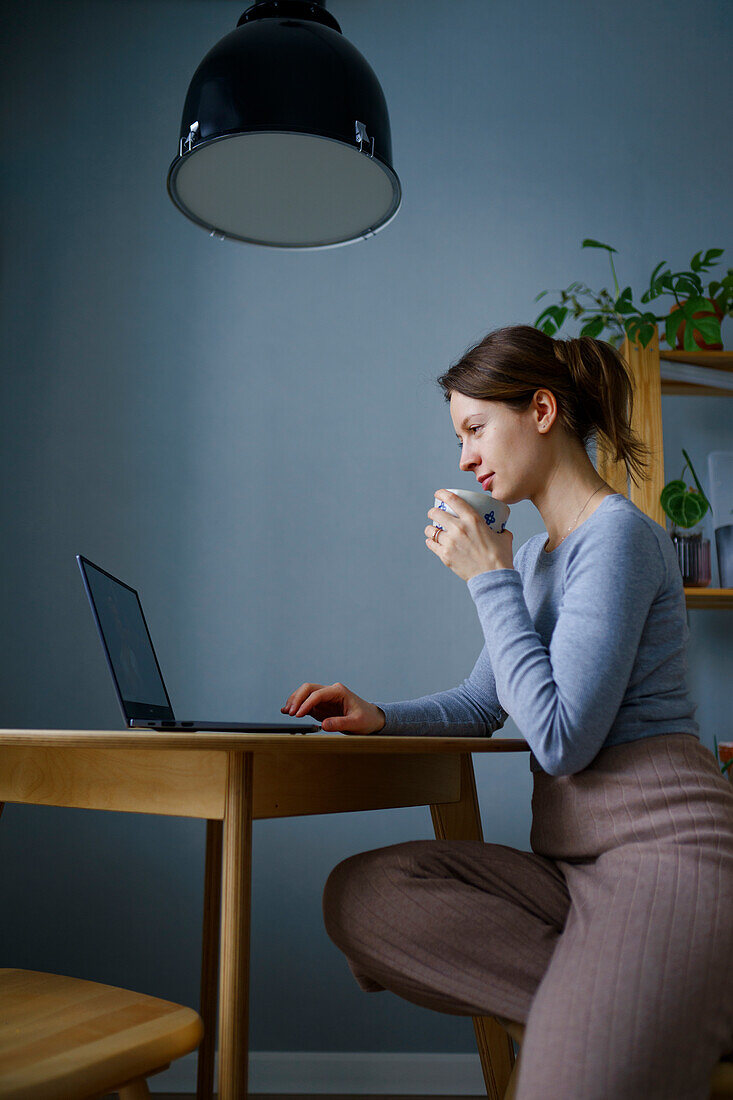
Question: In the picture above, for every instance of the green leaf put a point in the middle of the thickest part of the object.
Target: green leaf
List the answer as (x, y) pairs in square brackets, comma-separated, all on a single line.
[(687, 284), (698, 304), (541, 295), (676, 486), (623, 303), (653, 275), (656, 285), (593, 327), (708, 261), (688, 339), (683, 506), (671, 325), (589, 243), (692, 509), (549, 312), (708, 328), (557, 313)]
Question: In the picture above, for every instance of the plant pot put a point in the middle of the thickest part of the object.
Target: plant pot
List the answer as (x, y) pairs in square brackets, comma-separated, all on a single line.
[(693, 555), (716, 311)]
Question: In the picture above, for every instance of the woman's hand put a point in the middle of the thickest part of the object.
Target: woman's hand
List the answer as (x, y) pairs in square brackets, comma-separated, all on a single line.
[(336, 708), (467, 544)]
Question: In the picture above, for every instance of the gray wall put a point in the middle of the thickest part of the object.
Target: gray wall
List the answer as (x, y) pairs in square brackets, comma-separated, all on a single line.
[(252, 437)]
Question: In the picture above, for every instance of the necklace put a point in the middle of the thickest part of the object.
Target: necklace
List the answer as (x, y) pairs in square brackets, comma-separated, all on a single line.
[(578, 516)]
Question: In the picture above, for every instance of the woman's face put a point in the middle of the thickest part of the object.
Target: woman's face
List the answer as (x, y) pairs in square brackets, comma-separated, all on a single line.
[(495, 439)]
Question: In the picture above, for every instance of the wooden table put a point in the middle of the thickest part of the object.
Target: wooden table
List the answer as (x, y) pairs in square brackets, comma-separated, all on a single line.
[(230, 780)]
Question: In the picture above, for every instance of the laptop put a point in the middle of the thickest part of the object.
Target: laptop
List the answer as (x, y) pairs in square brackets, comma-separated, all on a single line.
[(138, 680)]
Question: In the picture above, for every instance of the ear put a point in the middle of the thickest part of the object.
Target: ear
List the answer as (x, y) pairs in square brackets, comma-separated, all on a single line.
[(544, 407)]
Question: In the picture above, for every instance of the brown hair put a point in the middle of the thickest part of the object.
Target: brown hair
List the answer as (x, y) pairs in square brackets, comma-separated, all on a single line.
[(589, 378)]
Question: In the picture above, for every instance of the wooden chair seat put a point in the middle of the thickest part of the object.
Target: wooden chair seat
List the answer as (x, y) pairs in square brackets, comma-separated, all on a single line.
[(721, 1082), (67, 1039)]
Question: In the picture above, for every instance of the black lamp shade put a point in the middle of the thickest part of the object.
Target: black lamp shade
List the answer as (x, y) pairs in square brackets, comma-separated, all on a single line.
[(285, 138)]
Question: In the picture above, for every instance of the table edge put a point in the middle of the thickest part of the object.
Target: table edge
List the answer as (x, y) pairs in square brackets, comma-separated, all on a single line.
[(254, 742)]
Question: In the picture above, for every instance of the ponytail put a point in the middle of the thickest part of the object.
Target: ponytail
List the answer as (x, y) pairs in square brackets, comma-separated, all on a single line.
[(605, 398)]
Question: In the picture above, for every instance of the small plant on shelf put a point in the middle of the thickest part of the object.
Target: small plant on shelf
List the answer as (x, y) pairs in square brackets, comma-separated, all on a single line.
[(725, 764), (685, 506), (696, 314)]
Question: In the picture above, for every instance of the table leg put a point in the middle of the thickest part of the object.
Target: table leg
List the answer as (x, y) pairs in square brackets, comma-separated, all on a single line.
[(210, 960), (462, 821), (235, 929)]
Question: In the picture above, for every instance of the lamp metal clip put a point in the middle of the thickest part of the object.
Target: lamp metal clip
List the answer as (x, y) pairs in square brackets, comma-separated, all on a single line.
[(186, 144), (362, 138)]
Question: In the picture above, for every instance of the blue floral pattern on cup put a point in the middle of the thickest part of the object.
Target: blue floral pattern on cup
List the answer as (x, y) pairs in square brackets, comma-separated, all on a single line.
[(489, 517)]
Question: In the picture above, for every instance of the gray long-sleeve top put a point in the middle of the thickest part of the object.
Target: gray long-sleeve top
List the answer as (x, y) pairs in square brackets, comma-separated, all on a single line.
[(585, 646)]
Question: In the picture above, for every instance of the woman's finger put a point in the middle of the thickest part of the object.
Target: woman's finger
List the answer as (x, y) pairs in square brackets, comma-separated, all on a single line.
[(315, 697), (438, 517), (299, 695)]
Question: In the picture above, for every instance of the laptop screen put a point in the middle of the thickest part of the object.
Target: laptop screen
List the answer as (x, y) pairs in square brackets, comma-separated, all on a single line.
[(127, 644)]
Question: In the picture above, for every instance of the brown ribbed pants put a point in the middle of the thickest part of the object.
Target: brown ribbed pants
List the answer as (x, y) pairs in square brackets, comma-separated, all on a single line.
[(612, 940)]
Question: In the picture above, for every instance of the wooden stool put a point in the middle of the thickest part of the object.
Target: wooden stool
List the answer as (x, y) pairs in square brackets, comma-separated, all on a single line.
[(68, 1039), (721, 1082)]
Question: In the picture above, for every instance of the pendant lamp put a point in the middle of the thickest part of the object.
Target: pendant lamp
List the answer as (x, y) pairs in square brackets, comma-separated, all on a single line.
[(285, 137)]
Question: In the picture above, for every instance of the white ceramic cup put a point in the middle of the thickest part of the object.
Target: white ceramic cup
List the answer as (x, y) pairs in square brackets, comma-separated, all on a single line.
[(494, 512)]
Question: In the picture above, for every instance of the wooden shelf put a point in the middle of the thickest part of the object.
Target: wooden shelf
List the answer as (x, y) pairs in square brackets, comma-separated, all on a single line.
[(646, 367), (716, 360), (709, 597), (692, 389), (719, 360)]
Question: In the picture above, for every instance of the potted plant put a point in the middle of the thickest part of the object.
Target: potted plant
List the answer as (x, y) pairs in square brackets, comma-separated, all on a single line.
[(685, 507), (703, 309), (724, 753)]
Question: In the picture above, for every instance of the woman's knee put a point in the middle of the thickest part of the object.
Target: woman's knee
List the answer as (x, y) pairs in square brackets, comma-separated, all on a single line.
[(358, 884)]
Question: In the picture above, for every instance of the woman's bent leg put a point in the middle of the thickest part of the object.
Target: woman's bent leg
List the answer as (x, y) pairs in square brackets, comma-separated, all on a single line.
[(458, 926), (637, 1000)]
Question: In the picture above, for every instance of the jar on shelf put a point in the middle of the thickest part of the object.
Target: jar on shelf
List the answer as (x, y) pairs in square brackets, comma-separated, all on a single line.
[(693, 554)]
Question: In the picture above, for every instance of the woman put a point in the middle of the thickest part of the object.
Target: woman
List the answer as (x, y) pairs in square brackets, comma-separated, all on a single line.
[(612, 939)]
